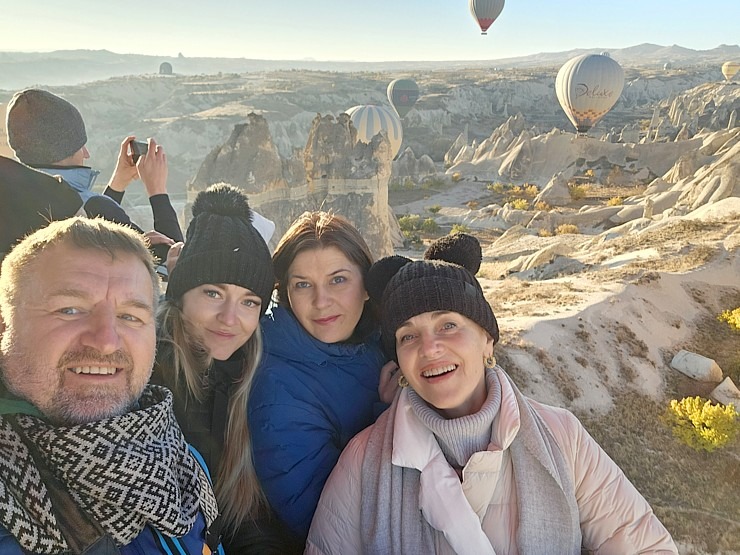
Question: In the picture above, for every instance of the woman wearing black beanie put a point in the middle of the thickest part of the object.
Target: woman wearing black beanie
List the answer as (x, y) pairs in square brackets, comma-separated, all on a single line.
[(210, 346), (462, 462)]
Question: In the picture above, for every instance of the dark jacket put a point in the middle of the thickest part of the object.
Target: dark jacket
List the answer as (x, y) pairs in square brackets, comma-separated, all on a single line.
[(30, 200), (148, 542), (204, 426), (308, 400), (108, 205)]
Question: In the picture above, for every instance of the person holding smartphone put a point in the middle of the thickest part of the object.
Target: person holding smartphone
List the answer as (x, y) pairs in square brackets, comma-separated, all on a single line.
[(47, 133)]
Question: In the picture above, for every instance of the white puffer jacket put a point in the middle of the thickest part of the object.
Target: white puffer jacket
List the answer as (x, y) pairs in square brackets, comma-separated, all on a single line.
[(615, 518)]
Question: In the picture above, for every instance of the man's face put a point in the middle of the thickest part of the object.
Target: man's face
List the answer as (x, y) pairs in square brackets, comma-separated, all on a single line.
[(79, 343)]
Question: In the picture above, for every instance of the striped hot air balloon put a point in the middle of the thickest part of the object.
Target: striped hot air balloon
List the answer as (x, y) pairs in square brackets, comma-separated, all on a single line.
[(369, 120), (587, 87), (403, 94), (729, 69), (485, 12)]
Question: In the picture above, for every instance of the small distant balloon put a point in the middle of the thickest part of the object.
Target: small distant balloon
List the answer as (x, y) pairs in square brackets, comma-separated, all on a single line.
[(403, 94), (729, 69), (587, 87), (165, 68), (485, 12), (369, 120)]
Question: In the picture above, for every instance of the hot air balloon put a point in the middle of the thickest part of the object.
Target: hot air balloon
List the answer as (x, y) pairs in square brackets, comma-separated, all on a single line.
[(369, 120), (729, 69), (403, 94), (485, 12), (587, 87)]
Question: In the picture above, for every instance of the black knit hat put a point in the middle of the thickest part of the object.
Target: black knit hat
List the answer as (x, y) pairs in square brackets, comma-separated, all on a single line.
[(439, 282), (222, 246), (43, 128)]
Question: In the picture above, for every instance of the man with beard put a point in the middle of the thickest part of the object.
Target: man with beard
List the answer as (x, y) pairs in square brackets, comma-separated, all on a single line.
[(91, 458)]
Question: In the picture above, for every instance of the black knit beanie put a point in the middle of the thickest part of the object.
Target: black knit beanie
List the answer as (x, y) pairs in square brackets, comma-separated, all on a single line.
[(222, 246), (43, 128), (444, 280)]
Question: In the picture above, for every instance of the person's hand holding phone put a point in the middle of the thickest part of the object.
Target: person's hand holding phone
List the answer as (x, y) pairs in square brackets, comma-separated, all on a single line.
[(125, 171), (152, 167)]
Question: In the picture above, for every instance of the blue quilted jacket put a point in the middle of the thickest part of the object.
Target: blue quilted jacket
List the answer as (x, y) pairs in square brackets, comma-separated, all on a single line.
[(308, 400)]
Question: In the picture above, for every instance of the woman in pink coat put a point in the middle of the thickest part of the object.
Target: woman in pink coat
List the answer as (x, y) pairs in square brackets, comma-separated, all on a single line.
[(462, 462)]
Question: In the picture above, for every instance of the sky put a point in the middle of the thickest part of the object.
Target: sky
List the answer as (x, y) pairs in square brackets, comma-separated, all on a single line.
[(367, 30)]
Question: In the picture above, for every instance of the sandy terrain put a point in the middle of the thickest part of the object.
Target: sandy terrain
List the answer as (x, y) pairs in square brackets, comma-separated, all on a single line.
[(599, 338)]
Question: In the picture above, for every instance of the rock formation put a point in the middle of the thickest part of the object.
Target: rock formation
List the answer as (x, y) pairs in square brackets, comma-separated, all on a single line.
[(248, 160), (334, 172)]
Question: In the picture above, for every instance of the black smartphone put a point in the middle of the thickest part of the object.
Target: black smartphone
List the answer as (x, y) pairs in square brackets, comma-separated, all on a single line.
[(160, 252), (137, 149)]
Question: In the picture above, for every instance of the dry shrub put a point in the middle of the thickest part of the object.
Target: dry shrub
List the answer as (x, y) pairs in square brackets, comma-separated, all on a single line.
[(531, 190), (519, 204), (567, 229), (543, 206), (472, 204), (578, 192), (544, 232), (615, 201)]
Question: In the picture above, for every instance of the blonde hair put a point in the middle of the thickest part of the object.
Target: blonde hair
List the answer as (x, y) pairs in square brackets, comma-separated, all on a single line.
[(238, 491)]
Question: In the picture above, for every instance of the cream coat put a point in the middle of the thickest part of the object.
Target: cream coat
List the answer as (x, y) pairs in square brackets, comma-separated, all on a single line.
[(615, 518)]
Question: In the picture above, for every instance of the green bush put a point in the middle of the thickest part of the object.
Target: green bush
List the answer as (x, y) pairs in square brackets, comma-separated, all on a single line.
[(497, 187), (519, 204), (578, 192), (459, 228), (434, 183), (700, 424), (410, 222), (429, 226), (434, 209)]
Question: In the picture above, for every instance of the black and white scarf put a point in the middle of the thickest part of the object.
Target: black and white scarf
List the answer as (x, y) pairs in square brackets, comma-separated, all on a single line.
[(125, 472)]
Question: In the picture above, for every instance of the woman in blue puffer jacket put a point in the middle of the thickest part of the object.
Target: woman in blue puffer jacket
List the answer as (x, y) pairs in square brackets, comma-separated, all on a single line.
[(318, 383)]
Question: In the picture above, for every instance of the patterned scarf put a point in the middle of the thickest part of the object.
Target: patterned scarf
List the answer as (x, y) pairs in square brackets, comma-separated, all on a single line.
[(125, 472)]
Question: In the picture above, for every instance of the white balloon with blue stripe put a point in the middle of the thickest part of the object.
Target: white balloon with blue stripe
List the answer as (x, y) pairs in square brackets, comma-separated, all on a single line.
[(369, 120)]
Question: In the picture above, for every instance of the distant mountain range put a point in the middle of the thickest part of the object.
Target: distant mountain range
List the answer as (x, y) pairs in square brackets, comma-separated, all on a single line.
[(71, 67)]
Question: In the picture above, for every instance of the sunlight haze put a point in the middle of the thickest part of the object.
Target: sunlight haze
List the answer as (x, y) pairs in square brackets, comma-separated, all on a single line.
[(383, 30)]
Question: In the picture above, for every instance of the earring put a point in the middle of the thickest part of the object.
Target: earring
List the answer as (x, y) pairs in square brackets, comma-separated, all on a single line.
[(402, 381), (489, 361)]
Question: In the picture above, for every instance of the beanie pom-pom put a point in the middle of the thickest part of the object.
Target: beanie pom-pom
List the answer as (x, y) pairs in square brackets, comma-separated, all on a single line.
[(222, 199), (381, 273), (461, 249)]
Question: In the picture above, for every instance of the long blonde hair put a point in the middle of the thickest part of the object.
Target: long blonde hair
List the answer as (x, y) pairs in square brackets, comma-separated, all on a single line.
[(238, 491)]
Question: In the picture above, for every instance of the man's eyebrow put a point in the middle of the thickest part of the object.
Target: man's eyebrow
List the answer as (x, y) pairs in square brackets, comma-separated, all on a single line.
[(83, 295)]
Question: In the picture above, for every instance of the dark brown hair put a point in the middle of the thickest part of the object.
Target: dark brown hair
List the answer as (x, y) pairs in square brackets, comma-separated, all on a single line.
[(318, 230)]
